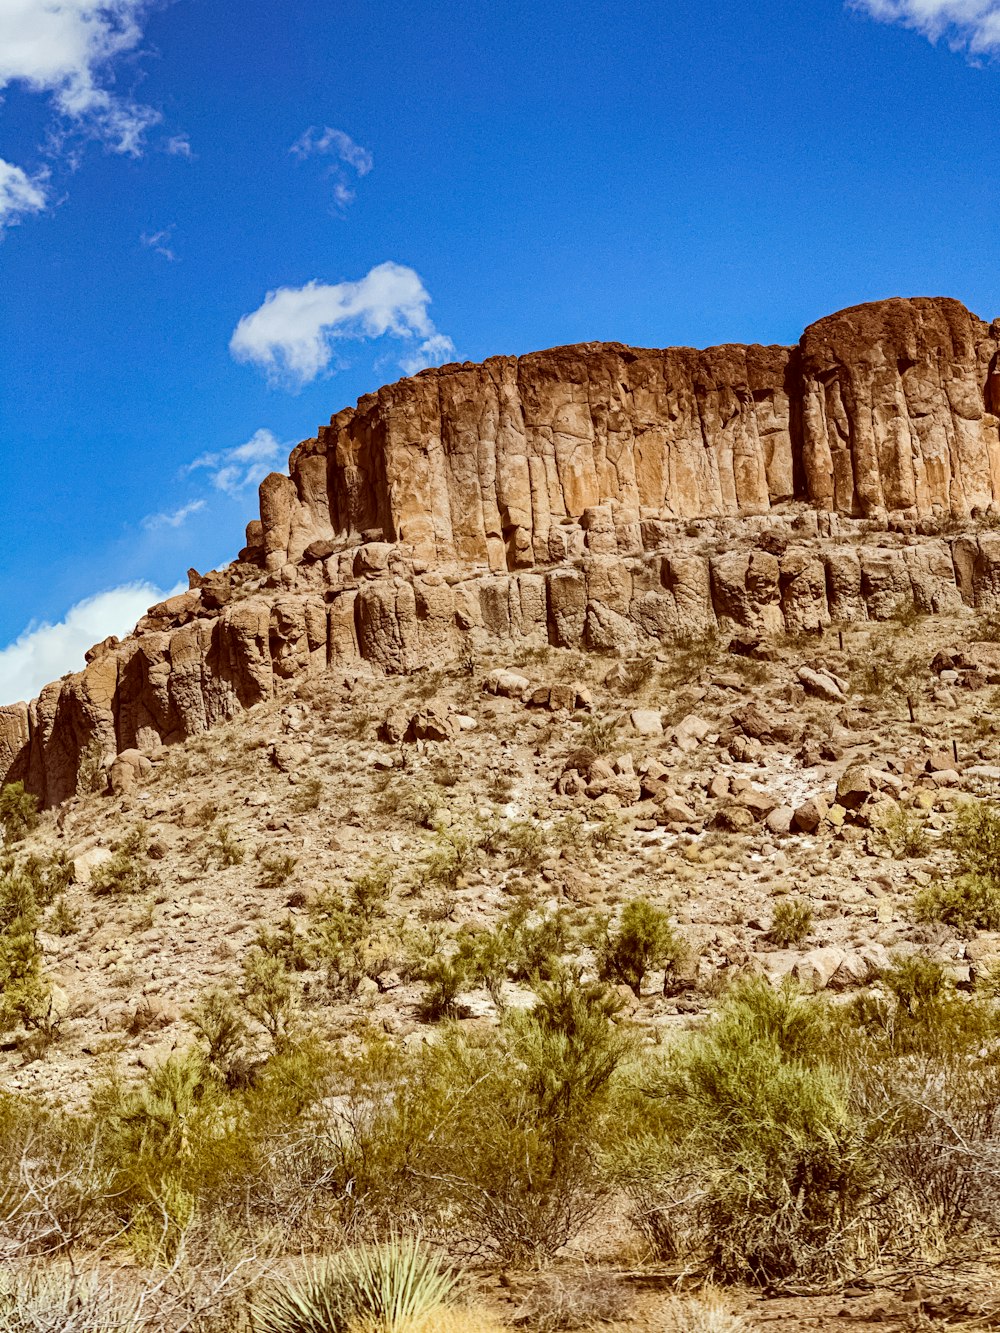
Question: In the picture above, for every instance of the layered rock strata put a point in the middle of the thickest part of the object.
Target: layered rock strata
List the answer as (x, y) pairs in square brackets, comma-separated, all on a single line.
[(596, 496)]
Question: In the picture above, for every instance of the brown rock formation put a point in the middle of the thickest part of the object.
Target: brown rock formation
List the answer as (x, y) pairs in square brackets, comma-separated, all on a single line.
[(598, 495)]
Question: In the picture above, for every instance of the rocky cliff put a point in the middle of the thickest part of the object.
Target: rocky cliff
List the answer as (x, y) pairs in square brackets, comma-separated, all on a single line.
[(595, 496)]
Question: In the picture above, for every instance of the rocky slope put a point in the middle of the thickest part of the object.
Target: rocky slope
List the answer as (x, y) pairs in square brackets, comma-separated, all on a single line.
[(596, 496)]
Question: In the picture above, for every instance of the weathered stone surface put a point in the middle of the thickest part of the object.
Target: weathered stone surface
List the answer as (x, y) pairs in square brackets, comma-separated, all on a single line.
[(597, 496)]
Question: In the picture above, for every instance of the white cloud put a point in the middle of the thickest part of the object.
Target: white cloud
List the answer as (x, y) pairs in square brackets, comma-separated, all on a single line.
[(236, 470), (20, 194), (967, 25), (160, 242), (172, 518), (178, 145), (290, 337), (45, 652), (433, 351), (65, 49), (327, 141)]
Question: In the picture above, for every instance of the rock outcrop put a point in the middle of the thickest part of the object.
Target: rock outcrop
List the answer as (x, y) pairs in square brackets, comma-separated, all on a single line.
[(599, 496)]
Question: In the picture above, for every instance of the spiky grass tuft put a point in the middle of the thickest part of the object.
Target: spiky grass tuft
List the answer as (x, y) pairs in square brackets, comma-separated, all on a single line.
[(379, 1289)]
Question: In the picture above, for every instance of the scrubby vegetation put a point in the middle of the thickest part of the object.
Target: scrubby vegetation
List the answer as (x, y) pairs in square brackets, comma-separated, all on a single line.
[(786, 1141), (970, 900)]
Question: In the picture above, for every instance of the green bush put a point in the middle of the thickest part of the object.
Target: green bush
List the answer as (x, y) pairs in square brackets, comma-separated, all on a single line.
[(791, 923), (128, 872), (18, 812), (969, 903), (971, 900), (224, 849), (379, 1288), (776, 1160), (902, 832), (642, 940), (25, 993), (444, 980)]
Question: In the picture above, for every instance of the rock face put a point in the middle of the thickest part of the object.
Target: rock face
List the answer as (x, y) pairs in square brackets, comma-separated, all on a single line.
[(598, 496)]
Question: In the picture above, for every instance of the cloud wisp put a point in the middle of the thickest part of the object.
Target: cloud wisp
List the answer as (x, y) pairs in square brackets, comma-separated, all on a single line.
[(69, 51), (175, 518), (235, 471), (44, 652), (972, 26), (291, 336), (328, 142), (20, 194), (160, 242)]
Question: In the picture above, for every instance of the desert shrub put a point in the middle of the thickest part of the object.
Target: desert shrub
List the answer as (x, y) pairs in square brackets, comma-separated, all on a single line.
[(51, 1299), (451, 856), (128, 871), (49, 876), (221, 1028), (307, 796), (286, 943), (791, 923), (62, 920), (489, 1139), (444, 980), (689, 655), (921, 1012), (276, 868), (25, 993), (902, 832), (643, 939), (600, 734), (381, 1288), (223, 848), (783, 1166), (706, 1312), (182, 1145), (555, 1301), (369, 893), (346, 939), (883, 669), (269, 995), (526, 844), (18, 812), (970, 901)]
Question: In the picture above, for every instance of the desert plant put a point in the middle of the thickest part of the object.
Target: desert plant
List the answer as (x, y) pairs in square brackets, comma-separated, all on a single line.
[(307, 796), (221, 1028), (276, 868), (791, 923), (128, 871), (25, 993), (49, 1299), (224, 849), (269, 995), (971, 899), (18, 812), (902, 832), (643, 939), (779, 1168), (444, 980), (388, 1288), (600, 734), (969, 903), (62, 920)]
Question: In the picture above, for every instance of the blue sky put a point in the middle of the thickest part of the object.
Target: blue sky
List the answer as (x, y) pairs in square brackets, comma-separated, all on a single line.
[(416, 184)]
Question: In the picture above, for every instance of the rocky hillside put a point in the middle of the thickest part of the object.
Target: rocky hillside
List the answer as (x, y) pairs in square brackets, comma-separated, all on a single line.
[(598, 497)]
